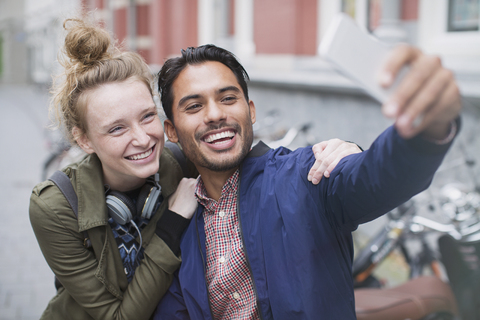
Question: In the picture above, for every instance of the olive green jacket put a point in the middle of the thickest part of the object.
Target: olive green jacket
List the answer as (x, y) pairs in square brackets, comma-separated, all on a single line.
[(94, 282)]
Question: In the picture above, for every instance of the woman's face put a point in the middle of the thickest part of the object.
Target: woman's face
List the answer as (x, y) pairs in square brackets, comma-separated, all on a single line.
[(124, 130)]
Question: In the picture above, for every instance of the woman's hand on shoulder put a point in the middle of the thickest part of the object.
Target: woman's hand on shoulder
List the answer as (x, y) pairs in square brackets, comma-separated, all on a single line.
[(183, 200), (327, 155)]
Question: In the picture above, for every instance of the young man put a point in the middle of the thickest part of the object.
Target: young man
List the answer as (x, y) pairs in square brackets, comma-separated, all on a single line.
[(265, 243)]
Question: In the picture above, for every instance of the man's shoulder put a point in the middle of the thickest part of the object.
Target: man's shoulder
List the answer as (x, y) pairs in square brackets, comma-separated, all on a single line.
[(277, 162), (262, 150)]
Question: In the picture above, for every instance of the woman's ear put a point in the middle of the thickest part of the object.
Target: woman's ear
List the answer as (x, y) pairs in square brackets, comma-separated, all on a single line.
[(82, 140), (170, 131)]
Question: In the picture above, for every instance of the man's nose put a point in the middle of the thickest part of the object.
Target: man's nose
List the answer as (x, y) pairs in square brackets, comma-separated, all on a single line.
[(214, 113)]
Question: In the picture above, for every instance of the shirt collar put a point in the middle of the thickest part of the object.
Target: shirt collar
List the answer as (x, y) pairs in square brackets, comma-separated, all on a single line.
[(201, 192)]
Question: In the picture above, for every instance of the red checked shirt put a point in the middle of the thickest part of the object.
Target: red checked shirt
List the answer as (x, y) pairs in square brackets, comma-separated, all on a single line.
[(229, 282)]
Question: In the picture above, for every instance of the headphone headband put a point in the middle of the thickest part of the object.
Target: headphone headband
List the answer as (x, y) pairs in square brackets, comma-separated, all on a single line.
[(121, 208)]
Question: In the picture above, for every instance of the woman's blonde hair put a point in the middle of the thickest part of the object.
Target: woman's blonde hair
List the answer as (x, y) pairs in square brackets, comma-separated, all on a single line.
[(89, 59)]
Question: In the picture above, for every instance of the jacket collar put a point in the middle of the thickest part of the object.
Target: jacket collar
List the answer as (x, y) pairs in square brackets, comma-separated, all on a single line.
[(92, 208), (258, 150)]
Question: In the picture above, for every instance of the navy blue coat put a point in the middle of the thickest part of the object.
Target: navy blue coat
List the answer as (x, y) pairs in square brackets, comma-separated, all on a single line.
[(297, 236)]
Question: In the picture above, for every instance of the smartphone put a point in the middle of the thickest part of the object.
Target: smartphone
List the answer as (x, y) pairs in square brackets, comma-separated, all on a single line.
[(358, 55)]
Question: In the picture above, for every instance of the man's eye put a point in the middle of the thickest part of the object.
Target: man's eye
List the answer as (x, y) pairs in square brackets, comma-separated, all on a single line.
[(229, 99), (193, 107)]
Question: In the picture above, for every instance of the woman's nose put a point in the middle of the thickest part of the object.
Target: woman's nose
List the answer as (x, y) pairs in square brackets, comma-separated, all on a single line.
[(140, 137)]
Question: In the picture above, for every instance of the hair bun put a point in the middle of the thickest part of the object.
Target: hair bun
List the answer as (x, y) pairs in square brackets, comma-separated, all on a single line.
[(84, 43)]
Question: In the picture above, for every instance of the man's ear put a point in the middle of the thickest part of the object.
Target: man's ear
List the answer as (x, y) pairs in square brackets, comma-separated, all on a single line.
[(82, 140), (170, 131), (253, 115)]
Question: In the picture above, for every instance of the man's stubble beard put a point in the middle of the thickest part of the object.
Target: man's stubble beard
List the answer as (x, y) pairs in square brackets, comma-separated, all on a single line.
[(199, 160)]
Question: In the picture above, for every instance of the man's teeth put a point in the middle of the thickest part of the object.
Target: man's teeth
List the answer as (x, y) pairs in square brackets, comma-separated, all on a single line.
[(141, 155), (218, 136)]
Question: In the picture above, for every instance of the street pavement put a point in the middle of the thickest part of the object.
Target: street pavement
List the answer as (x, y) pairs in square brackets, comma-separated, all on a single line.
[(26, 281)]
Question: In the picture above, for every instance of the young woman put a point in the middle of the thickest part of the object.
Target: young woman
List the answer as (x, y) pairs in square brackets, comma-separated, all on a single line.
[(112, 265), (105, 103)]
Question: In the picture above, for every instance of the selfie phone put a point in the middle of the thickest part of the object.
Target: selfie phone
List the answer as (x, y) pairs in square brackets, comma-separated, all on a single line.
[(358, 55)]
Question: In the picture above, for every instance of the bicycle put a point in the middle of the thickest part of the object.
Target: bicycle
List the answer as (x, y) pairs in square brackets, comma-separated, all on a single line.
[(421, 297)]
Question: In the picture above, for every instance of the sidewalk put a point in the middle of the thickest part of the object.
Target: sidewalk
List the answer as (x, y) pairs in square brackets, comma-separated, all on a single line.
[(26, 282)]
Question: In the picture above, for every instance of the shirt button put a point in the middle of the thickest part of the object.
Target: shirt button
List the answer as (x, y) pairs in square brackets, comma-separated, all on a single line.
[(221, 214), (125, 270), (236, 295), (222, 259)]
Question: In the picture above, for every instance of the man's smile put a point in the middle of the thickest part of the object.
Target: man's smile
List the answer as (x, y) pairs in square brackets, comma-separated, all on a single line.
[(219, 137)]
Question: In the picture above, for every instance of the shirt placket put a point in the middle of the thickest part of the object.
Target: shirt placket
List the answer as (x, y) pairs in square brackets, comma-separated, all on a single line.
[(228, 277)]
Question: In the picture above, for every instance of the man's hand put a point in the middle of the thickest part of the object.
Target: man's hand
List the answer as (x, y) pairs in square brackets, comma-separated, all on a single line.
[(327, 155), (427, 99)]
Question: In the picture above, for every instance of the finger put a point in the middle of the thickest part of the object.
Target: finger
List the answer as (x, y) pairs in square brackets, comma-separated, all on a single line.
[(414, 81), (330, 158), (342, 154), (319, 172), (332, 166), (400, 56), (425, 106), (446, 110), (317, 149), (312, 171), (410, 121)]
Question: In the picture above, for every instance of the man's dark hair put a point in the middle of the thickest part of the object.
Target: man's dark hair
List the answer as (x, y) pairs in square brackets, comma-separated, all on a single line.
[(191, 56)]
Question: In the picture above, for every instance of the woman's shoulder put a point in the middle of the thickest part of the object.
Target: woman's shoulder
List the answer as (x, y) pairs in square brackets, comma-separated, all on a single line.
[(46, 197), (173, 167), (46, 201), (44, 188)]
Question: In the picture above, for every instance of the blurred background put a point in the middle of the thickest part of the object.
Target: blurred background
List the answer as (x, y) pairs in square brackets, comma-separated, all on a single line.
[(276, 40)]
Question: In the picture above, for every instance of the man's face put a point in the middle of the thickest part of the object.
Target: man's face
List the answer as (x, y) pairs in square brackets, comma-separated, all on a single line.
[(213, 120)]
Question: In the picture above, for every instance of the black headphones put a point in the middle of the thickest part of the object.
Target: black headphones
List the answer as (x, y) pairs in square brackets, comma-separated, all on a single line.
[(121, 207)]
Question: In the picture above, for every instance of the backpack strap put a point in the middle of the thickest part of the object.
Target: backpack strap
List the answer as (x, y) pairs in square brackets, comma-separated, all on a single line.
[(179, 156), (62, 181)]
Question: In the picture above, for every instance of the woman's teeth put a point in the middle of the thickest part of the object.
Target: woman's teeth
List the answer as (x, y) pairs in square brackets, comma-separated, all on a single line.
[(141, 155)]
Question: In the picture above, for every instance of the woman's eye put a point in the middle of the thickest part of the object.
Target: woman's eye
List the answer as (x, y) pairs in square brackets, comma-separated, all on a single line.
[(149, 116), (115, 130)]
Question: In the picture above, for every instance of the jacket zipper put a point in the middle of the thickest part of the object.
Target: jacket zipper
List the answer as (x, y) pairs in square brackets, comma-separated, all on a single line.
[(204, 267), (243, 244)]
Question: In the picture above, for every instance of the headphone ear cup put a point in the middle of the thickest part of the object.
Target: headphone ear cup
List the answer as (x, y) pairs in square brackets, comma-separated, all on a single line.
[(120, 207), (147, 200), (142, 198)]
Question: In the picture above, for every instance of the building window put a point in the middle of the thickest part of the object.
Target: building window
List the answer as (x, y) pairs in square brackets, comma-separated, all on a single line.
[(463, 15)]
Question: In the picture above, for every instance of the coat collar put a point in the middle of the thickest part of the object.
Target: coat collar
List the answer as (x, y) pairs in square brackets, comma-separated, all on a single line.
[(258, 150), (92, 208)]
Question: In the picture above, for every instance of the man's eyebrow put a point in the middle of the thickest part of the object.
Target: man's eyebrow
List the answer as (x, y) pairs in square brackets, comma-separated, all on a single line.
[(229, 88), (196, 96), (186, 98)]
